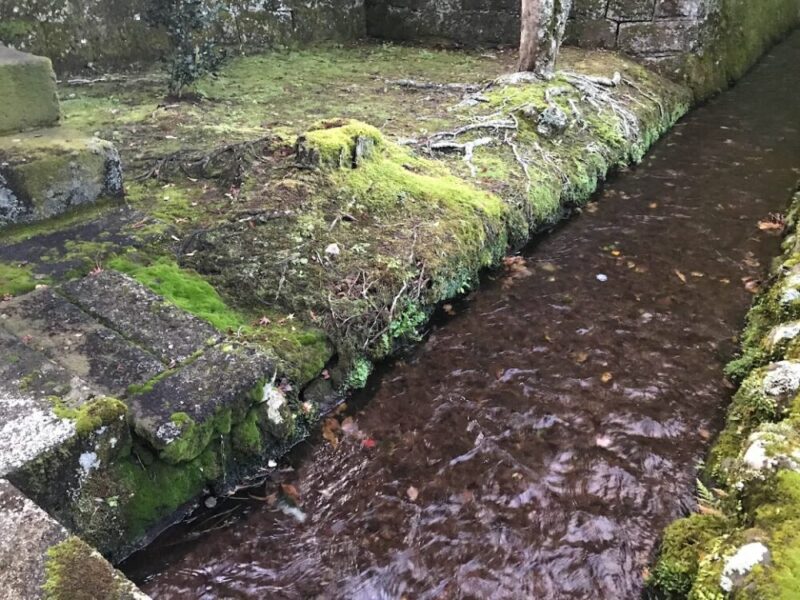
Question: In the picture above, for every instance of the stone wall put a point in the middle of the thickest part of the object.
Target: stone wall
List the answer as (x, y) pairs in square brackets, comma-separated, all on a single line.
[(704, 43), (84, 34), (637, 27)]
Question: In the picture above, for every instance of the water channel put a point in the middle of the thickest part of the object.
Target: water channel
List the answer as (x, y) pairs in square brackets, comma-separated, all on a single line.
[(549, 428)]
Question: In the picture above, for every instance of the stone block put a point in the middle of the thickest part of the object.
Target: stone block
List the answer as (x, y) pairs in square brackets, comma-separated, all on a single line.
[(181, 413), (598, 33), (690, 9), (48, 172), (589, 9), (658, 38), (27, 91), (631, 10), (39, 558), (70, 337), (129, 308), (29, 426)]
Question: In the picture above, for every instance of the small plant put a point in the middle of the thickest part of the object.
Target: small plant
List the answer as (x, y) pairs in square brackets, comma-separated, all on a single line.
[(194, 34)]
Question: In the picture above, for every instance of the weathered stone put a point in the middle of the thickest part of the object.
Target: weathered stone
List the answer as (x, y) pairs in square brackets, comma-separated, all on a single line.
[(552, 122), (680, 8), (39, 558), (181, 413), (28, 425), (741, 563), (592, 33), (46, 173), (129, 308), (589, 9), (27, 90), (631, 10), (73, 339), (660, 37)]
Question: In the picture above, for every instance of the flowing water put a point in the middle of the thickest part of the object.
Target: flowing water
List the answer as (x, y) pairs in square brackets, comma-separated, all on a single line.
[(549, 428)]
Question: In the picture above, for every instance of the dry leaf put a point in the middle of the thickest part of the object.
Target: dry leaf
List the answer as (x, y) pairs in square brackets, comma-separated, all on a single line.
[(707, 510), (606, 377), (580, 357), (329, 429), (290, 492), (751, 284), (412, 493), (680, 275)]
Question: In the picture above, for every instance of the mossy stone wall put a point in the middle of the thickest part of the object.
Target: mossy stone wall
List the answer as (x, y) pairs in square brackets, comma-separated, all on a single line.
[(80, 35), (704, 43)]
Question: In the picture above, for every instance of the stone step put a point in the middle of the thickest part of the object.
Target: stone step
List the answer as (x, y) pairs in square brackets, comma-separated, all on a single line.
[(45, 173), (29, 383), (40, 559), (126, 306), (105, 387), (181, 413), (28, 90), (52, 325)]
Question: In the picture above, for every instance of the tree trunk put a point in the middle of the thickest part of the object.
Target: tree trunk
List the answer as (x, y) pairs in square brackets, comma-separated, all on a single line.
[(542, 29)]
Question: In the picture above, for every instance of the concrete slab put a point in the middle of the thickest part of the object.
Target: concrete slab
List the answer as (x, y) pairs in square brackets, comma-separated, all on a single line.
[(28, 90), (48, 172), (70, 337), (181, 413), (38, 557), (126, 306)]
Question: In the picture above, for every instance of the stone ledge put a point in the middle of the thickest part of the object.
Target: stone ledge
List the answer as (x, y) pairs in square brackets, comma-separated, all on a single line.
[(139, 315), (39, 559), (46, 173), (180, 413), (68, 336), (28, 90)]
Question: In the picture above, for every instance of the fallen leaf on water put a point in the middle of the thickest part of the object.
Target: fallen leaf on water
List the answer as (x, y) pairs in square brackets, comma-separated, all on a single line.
[(548, 267), (615, 253), (698, 274), (369, 443), (290, 492), (349, 427), (412, 493), (751, 284), (774, 222), (680, 276), (606, 377), (448, 309), (654, 205), (580, 357), (704, 433), (329, 429)]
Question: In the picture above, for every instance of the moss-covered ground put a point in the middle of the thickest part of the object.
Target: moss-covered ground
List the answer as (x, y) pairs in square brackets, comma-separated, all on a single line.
[(314, 205), (751, 493)]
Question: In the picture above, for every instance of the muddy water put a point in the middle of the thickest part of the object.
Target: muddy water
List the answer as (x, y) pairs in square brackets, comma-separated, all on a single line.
[(549, 428)]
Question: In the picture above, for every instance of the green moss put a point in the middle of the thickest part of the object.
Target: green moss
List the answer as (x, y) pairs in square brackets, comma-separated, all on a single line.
[(741, 32), (29, 94), (74, 571), (184, 288), (685, 544), (247, 436), (359, 374), (93, 414), (152, 493), (194, 437), (336, 141), (16, 279)]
